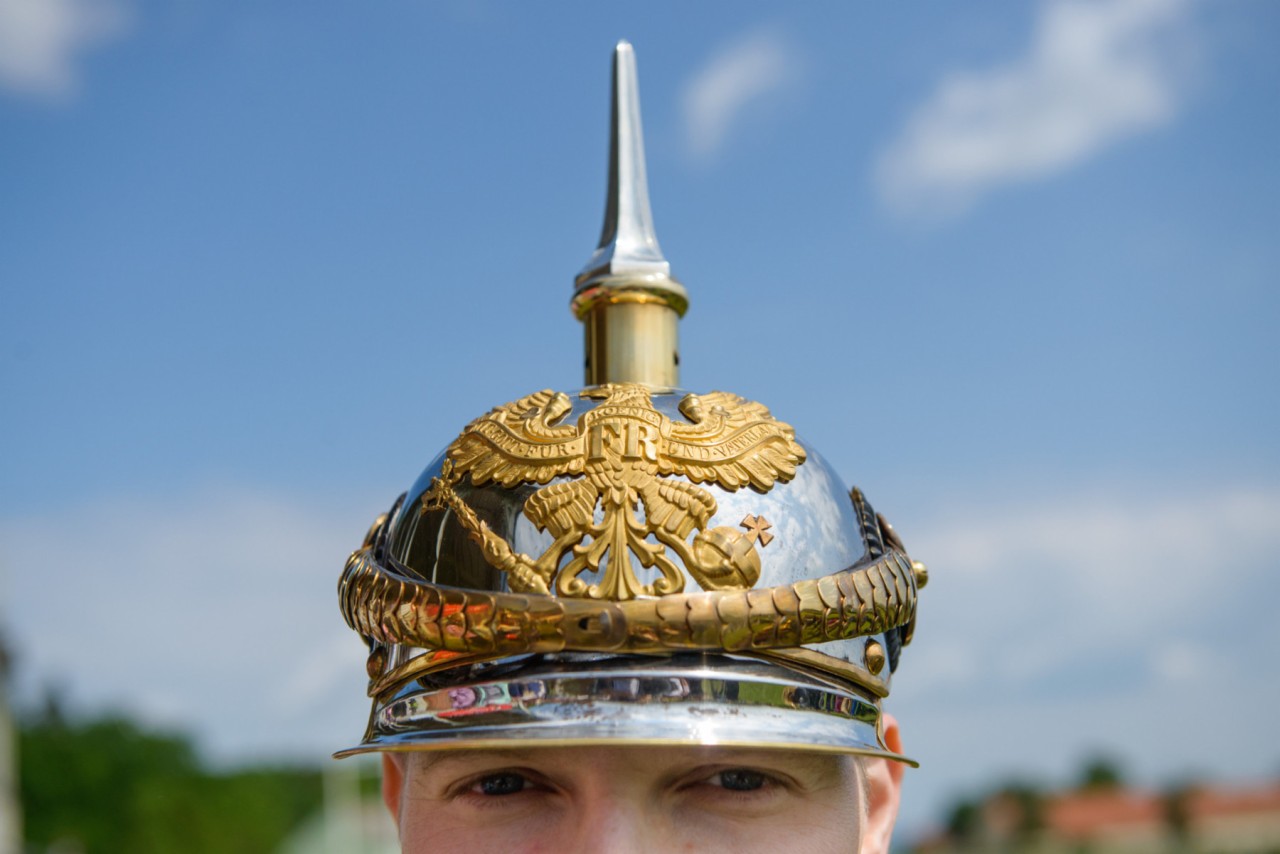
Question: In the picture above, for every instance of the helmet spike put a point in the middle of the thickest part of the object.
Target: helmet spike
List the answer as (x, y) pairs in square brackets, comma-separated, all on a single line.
[(628, 243), (625, 294)]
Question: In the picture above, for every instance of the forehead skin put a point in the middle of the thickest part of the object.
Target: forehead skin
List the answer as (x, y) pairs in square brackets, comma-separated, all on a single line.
[(626, 799)]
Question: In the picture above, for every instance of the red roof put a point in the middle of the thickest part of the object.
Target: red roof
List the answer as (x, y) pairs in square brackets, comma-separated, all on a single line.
[(1088, 813), (1218, 803)]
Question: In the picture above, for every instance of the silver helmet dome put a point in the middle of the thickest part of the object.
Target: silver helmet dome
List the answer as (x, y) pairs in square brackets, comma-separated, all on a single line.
[(630, 563)]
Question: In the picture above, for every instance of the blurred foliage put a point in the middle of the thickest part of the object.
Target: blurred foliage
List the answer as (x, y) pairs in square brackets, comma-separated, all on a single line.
[(1101, 772), (1028, 808), (105, 785), (1177, 802), (964, 821)]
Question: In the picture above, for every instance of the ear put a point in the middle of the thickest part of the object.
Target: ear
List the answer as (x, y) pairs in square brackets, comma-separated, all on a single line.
[(392, 783), (884, 792)]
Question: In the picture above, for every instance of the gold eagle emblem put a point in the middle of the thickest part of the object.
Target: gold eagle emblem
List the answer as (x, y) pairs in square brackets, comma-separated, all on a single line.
[(613, 497)]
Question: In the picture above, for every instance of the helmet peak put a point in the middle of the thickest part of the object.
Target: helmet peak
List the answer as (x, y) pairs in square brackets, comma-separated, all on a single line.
[(626, 294)]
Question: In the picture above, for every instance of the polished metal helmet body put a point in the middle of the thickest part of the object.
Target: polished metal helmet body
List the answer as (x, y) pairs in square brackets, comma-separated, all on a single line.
[(630, 563)]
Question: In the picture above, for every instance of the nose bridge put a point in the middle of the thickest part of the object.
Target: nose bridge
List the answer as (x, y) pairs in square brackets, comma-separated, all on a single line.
[(615, 817)]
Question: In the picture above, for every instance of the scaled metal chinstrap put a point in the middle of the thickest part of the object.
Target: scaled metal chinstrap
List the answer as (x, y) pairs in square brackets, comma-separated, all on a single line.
[(630, 563)]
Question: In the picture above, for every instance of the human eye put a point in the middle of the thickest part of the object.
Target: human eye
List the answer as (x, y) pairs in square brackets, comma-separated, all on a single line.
[(500, 784), (734, 785), (740, 780)]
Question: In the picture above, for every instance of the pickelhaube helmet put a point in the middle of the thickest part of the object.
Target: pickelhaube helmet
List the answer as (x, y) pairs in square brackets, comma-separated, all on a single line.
[(630, 564)]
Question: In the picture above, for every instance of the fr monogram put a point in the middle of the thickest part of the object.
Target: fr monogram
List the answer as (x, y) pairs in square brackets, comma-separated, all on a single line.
[(633, 440)]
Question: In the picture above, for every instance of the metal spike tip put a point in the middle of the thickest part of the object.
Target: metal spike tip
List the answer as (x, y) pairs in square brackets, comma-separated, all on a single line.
[(628, 249)]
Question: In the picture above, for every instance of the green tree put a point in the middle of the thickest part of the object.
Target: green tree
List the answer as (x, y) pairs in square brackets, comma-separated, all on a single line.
[(964, 821), (111, 786), (1101, 772), (1029, 801)]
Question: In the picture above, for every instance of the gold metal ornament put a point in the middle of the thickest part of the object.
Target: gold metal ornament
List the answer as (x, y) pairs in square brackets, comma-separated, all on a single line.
[(376, 663), (757, 529), (921, 573), (615, 459), (460, 626), (874, 656)]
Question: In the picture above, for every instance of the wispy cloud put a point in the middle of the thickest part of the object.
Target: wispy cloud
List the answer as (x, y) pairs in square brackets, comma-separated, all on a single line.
[(41, 40), (215, 611), (1096, 72), (1052, 627), (738, 76), (1107, 571)]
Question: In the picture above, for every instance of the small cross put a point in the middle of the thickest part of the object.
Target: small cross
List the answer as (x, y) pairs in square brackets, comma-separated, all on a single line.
[(757, 529)]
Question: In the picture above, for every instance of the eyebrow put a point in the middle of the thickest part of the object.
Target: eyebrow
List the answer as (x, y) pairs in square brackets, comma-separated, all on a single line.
[(427, 759), (422, 765), (814, 763)]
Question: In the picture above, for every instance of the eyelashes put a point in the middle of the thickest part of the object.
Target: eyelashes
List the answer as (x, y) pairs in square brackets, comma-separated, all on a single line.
[(500, 784), (515, 785), (741, 780)]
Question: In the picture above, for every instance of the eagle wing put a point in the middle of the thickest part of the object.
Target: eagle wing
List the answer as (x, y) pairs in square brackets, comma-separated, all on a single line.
[(519, 442), (563, 507), (735, 443), (676, 507)]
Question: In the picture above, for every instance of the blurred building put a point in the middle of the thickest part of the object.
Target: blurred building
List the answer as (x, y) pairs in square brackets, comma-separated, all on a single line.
[(352, 820), (1118, 820)]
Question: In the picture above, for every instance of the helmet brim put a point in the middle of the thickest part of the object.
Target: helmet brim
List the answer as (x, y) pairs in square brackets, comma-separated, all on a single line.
[(628, 704)]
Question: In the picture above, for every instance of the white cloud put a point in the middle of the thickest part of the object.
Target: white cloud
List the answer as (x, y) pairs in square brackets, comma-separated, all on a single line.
[(40, 40), (1097, 619), (215, 610), (1182, 661), (1144, 575), (1096, 72), (739, 75)]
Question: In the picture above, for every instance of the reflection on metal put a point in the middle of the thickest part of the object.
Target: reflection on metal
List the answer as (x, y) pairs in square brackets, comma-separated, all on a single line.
[(921, 572), (625, 295), (377, 662), (616, 457), (805, 660), (875, 656), (656, 703)]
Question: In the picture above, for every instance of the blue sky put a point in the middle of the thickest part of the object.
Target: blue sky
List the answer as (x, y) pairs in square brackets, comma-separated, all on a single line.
[(1013, 268)]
